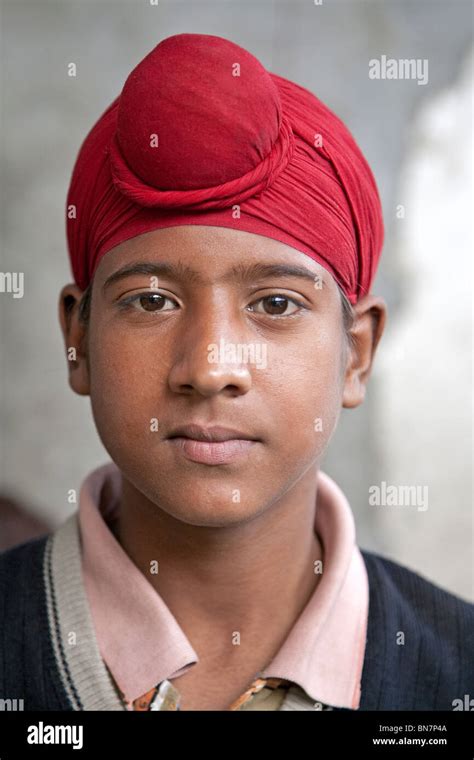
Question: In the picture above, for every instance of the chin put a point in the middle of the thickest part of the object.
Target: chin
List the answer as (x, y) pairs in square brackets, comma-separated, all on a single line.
[(211, 511)]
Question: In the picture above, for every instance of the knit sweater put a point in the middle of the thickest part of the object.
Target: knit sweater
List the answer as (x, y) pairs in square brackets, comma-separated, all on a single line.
[(419, 652)]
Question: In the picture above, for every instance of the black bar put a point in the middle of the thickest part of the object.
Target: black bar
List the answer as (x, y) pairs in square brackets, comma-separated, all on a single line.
[(307, 735)]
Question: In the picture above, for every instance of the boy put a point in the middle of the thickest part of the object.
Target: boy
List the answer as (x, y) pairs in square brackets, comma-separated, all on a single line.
[(224, 230)]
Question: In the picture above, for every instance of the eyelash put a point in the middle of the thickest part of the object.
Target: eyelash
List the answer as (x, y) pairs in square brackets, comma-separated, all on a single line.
[(125, 303)]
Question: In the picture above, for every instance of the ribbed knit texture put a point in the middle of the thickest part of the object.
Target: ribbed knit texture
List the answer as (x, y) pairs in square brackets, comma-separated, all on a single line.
[(28, 667), (433, 667)]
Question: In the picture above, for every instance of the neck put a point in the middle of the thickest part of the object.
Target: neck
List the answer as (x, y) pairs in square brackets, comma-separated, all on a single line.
[(254, 578)]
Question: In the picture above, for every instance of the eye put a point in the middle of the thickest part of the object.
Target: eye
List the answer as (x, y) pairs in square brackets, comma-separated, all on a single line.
[(151, 302), (277, 304)]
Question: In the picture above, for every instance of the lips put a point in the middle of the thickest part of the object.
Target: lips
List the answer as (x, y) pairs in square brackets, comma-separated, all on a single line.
[(214, 433), (212, 445)]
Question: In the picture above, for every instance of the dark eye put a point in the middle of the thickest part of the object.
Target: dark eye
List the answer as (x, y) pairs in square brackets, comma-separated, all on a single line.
[(146, 302), (276, 305)]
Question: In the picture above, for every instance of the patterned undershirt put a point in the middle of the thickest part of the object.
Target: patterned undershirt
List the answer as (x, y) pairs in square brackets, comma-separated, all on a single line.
[(262, 694)]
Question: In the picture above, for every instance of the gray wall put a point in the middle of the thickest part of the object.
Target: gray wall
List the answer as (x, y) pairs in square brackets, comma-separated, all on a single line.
[(48, 437)]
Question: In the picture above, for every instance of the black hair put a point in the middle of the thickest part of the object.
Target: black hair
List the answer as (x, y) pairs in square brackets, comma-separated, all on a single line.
[(85, 305), (348, 316)]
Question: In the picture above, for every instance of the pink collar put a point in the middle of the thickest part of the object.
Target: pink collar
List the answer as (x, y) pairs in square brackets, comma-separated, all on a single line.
[(143, 644)]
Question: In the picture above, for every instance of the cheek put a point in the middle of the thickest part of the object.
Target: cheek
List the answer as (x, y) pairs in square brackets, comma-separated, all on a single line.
[(303, 394), (125, 386)]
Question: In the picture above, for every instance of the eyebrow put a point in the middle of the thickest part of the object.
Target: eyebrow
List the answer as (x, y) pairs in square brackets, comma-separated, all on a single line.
[(240, 272)]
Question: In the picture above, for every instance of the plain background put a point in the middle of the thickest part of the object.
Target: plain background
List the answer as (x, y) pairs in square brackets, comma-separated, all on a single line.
[(415, 425)]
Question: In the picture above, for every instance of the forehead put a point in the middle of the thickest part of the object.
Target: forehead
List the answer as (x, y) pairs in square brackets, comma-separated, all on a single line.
[(209, 255)]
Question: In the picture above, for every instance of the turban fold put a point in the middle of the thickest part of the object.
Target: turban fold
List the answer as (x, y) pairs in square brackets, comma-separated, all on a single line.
[(203, 134)]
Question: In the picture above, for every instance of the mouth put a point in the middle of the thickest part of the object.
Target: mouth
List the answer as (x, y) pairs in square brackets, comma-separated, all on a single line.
[(213, 446)]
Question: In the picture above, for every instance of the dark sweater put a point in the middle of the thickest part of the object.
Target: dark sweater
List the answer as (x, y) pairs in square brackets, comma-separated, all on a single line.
[(433, 668)]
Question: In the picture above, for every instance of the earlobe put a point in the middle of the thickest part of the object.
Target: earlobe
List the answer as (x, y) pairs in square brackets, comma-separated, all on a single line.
[(369, 323), (75, 335)]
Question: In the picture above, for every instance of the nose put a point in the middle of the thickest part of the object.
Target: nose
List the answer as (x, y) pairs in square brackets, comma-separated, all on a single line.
[(208, 359)]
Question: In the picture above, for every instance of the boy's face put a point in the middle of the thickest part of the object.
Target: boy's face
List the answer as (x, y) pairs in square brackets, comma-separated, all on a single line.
[(263, 354)]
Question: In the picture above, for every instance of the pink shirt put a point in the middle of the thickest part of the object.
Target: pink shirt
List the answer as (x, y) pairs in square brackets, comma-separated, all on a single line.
[(143, 644)]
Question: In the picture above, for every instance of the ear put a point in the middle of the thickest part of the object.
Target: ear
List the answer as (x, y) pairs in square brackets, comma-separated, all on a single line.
[(366, 331), (75, 339)]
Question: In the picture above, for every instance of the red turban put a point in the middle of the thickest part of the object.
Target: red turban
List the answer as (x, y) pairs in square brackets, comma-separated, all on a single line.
[(202, 133)]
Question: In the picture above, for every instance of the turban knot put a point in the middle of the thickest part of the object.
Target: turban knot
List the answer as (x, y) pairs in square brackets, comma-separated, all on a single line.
[(218, 196)]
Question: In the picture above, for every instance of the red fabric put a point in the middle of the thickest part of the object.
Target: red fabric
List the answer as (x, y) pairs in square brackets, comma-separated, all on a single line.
[(186, 142)]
